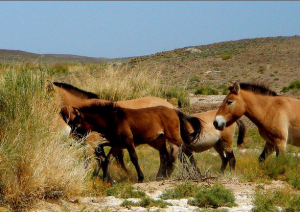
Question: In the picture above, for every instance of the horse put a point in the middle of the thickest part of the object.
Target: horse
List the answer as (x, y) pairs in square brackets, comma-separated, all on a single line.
[(70, 95), (128, 128), (210, 137), (277, 117)]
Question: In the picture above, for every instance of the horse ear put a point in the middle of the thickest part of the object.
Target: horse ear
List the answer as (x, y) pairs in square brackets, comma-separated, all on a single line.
[(76, 111), (231, 86), (234, 87)]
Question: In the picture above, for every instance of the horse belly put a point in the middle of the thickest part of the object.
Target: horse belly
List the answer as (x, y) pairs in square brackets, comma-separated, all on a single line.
[(206, 141)]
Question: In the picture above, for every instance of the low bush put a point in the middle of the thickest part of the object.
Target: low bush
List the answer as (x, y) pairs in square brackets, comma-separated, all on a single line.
[(203, 90), (294, 86), (147, 202), (183, 190), (213, 197)]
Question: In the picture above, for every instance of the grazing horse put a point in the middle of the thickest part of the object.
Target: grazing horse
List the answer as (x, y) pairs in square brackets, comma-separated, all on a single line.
[(70, 95), (277, 117), (127, 128)]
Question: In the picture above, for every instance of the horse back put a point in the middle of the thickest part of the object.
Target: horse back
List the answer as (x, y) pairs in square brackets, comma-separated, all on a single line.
[(144, 102)]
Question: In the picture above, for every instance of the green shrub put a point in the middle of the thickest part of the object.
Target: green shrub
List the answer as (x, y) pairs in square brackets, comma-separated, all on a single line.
[(183, 190), (213, 197), (270, 200), (147, 202), (206, 91), (226, 56), (294, 86), (275, 166)]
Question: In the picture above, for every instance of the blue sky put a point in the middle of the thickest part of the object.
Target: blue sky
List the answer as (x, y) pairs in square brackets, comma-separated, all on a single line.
[(122, 29)]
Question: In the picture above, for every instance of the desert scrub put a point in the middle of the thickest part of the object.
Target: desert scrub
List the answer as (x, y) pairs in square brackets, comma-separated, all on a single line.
[(183, 190), (284, 199), (147, 202), (124, 190), (205, 90), (37, 161), (214, 197)]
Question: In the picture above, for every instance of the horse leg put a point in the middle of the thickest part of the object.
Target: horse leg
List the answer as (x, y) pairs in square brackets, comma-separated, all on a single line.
[(134, 160), (100, 158), (220, 150), (120, 160), (112, 153), (269, 149), (231, 160)]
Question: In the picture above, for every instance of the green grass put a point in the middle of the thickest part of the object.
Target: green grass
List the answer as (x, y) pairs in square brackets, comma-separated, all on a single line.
[(124, 190)]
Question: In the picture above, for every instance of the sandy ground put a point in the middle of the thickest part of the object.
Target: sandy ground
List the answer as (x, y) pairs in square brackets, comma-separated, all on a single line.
[(243, 192)]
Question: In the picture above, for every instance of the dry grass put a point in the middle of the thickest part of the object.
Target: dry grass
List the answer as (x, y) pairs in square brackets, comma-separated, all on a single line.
[(36, 160)]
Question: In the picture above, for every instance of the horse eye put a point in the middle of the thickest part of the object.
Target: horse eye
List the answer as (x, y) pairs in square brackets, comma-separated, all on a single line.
[(229, 102)]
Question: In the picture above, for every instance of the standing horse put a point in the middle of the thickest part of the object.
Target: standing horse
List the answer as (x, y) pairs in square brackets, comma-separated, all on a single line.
[(277, 117), (127, 128), (70, 96)]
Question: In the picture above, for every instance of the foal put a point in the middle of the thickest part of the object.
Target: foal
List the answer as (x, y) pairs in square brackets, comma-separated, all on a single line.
[(127, 128)]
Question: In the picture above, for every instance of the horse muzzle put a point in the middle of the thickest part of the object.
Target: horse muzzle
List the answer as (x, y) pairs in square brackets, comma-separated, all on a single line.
[(219, 123)]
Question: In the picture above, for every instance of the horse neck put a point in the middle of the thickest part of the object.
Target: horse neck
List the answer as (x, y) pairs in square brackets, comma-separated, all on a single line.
[(69, 99), (100, 122), (256, 107)]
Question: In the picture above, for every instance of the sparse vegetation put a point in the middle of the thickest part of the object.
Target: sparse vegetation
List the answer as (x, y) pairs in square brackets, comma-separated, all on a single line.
[(147, 202), (124, 190)]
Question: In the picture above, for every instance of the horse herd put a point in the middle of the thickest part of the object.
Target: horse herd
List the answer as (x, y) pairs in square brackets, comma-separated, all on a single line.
[(156, 122)]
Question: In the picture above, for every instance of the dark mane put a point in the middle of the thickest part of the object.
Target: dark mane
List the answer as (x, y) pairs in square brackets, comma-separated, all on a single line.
[(101, 108), (76, 91), (258, 88)]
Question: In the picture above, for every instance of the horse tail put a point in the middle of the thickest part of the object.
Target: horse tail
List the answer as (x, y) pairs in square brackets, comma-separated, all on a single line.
[(120, 160), (186, 136), (242, 132)]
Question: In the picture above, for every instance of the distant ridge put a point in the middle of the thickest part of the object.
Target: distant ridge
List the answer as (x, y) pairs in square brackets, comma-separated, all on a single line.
[(17, 56)]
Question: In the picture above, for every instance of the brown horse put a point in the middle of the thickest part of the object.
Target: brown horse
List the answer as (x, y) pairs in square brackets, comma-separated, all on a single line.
[(127, 128), (277, 117), (70, 95)]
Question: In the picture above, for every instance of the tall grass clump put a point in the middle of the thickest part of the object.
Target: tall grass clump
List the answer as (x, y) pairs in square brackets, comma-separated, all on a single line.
[(35, 160), (117, 83)]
